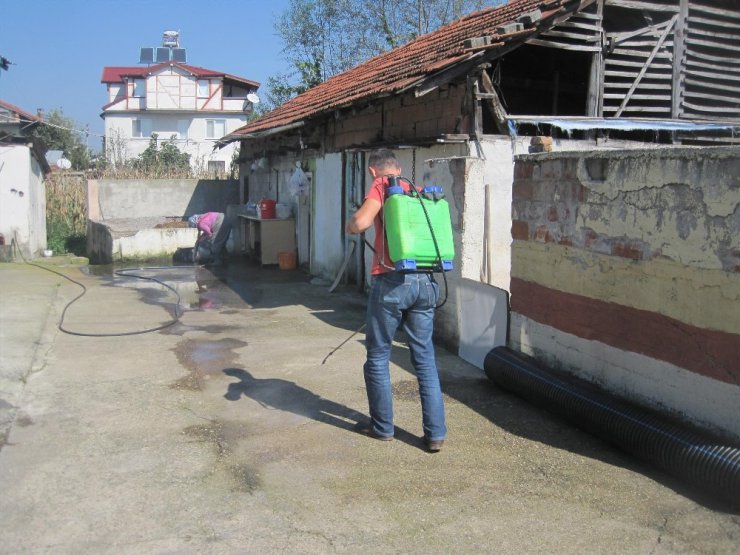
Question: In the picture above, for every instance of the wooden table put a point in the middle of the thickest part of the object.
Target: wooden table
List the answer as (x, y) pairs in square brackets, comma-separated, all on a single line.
[(264, 239)]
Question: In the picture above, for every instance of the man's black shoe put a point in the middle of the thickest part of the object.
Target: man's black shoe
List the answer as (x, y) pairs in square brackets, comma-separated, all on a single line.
[(366, 430), (434, 445)]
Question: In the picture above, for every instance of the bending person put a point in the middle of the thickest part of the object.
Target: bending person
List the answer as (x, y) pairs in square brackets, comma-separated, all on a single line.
[(214, 227)]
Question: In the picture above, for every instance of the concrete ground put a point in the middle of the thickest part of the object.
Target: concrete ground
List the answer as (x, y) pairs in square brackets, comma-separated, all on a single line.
[(229, 432)]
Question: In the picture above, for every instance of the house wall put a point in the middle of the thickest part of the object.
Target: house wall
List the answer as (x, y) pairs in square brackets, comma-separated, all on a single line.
[(626, 271), (174, 91), (269, 177), (22, 199), (189, 132), (327, 252)]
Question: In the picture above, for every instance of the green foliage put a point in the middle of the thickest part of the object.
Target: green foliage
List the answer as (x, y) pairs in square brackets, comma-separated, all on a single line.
[(57, 132), (66, 223), (325, 37), (280, 90), (167, 160)]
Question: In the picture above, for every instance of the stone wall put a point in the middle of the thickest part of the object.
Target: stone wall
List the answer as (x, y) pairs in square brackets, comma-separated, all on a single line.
[(626, 271)]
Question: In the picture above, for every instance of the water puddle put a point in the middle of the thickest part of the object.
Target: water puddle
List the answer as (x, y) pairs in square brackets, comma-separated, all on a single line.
[(197, 287), (204, 359)]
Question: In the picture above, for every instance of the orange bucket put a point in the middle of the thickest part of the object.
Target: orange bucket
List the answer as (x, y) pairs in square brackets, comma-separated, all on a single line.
[(287, 260)]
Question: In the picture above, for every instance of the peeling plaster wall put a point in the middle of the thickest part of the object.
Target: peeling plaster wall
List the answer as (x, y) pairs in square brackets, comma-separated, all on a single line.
[(626, 271)]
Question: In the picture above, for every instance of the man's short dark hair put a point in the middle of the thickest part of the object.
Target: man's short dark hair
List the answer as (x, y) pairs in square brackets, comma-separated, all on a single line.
[(382, 159)]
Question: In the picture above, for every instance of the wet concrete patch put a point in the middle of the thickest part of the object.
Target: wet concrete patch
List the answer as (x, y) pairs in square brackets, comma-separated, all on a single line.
[(212, 433), (204, 359), (23, 420), (241, 477), (245, 478), (198, 288), (181, 329)]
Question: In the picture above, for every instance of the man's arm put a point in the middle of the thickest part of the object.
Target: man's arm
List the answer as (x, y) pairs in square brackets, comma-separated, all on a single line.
[(204, 229), (363, 218)]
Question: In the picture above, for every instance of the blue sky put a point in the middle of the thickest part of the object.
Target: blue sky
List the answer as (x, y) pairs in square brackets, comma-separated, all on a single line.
[(59, 47)]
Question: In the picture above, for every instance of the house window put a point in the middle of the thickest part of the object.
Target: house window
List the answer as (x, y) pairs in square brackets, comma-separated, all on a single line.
[(182, 128), (139, 88), (203, 88), (141, 127), (216, 167), (215, 128)]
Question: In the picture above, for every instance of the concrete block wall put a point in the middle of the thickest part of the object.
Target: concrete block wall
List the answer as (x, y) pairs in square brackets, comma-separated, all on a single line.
[(110, 199), (122, 215), (626, 271)]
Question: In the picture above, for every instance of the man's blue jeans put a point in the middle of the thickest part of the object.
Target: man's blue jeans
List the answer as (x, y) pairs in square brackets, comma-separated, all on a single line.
[(391, 295)]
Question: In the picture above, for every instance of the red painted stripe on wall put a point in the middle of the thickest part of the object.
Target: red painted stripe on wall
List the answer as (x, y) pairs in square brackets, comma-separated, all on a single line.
[(711, 353)]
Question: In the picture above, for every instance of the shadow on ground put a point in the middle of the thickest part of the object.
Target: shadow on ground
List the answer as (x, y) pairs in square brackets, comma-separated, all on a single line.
[(242, 284)]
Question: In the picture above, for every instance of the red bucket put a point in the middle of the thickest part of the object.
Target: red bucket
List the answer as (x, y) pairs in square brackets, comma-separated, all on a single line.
[(267, 209)]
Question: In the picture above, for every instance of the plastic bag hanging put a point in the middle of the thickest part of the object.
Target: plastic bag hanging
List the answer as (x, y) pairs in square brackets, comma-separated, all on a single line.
[(298, 183)]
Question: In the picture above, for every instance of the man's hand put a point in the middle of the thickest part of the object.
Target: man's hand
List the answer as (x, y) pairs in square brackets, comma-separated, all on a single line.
[(363, 218)]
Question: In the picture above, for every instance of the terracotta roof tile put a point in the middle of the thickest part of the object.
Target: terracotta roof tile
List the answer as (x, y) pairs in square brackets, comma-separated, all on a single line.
[(401, 67), (19, 111), (116, 74)]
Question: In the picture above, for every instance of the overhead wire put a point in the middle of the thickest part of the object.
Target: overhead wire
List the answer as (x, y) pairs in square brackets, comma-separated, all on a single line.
[(6, 119)]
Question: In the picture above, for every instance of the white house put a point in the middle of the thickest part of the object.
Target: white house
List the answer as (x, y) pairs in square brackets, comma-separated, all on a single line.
[(22, 170), (191, 105)]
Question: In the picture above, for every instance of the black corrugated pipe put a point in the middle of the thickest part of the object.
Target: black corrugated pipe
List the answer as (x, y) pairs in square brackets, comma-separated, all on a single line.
[(713, 467)]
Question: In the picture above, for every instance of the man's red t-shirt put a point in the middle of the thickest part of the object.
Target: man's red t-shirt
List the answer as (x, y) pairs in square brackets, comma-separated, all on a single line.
[(381, 259)]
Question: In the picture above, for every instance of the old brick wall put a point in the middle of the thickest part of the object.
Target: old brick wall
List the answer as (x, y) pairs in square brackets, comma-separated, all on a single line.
[(401, 118), (626, 271)]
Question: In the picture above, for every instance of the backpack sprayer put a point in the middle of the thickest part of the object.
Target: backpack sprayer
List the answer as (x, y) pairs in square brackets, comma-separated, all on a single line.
[(419, 234)]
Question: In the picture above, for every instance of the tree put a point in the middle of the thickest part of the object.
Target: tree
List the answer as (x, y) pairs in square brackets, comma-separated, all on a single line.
[(58, 132), (279, 89), (167, 160), (325, 37)]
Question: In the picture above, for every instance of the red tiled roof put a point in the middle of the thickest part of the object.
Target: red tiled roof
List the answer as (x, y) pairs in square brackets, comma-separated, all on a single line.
[(117, 74), (21, 113), (404, 66)]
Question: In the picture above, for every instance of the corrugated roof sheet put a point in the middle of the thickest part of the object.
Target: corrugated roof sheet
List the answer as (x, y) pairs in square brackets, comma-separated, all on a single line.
[(401, 67)]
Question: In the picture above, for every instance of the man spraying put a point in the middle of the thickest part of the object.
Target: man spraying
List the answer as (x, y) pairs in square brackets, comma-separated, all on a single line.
[(397, 299)]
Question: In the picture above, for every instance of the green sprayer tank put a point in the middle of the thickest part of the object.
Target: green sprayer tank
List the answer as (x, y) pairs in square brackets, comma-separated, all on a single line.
[(413, 221)]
